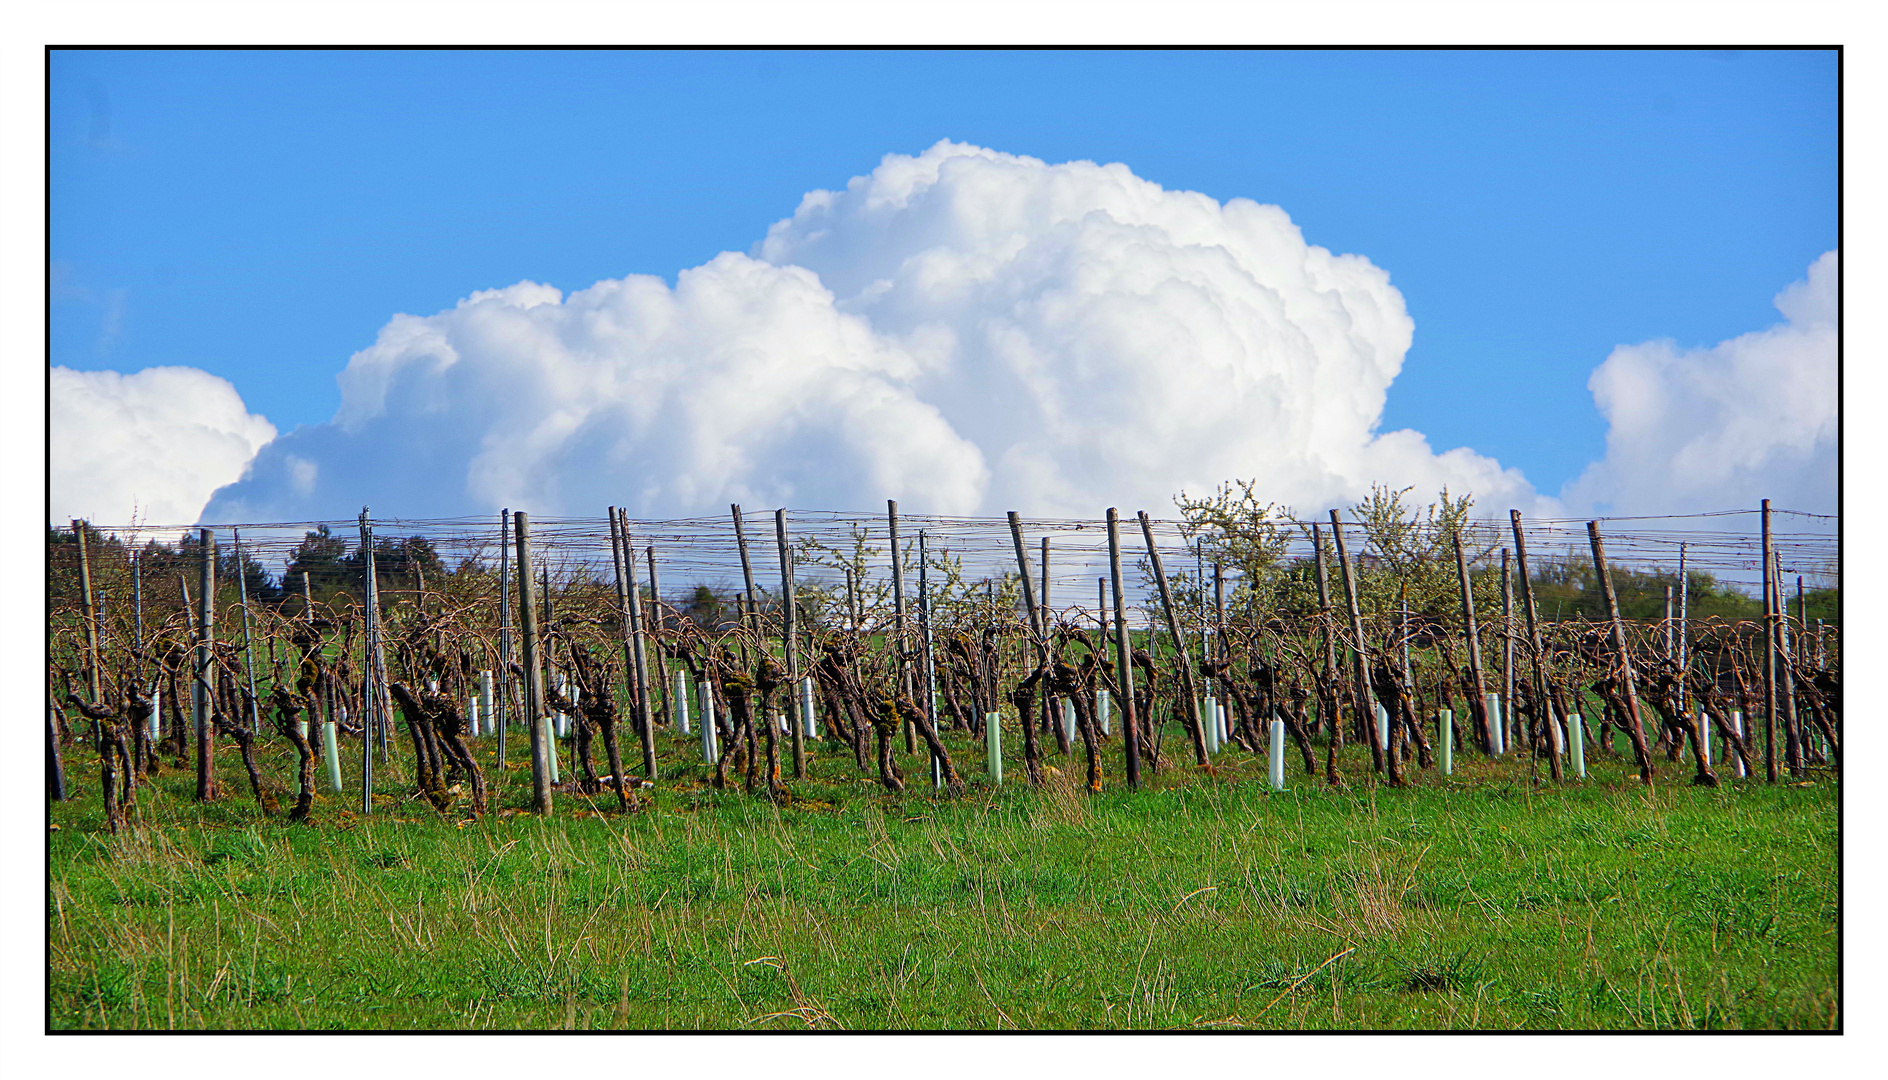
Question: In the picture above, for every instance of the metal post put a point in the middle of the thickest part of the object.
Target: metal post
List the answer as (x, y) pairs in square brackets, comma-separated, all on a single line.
[(137, 602), (794, 721), (504, 629), (242, 597), (652, 622), (1684, 632), (206, 666), (1793, 748)]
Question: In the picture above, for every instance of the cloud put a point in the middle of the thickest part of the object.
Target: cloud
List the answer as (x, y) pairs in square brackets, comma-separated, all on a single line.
[(964, 330), (154, 444), (1722, 427)]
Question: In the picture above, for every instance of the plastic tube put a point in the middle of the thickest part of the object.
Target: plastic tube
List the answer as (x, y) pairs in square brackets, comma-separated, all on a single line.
[(1737, 725), (1704, 738), (680, 697), (472, 715), (1576, 737), (993, 745), (1103, 706), (485, 703), (1493, 702), (1445, 722), (1278, 755), (1209, 724), (331, 751), (809, 722), (709, 750), (1383, 727), (157, 712)]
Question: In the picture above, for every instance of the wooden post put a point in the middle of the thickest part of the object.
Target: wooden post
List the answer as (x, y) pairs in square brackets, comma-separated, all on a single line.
[(1048, 612), (206, 667), (747, 572), (1684, 632), (242, 597), (898, 619), (1769, 656), (794, 720), (369, 700), (535, 724), (1364, 712), (645, 728), (924, 642), (1478, 704), (652, 622), (504, 629), (1049, 716), (91, 611), (1029, 594), (1334, 723), (1636, 729), (1123, 658), (55, 768), (1187, 686), (1507, 651), (1543, 711), (618, 553)]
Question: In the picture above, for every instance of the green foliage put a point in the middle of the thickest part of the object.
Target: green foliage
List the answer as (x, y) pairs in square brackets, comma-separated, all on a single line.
[(1569, 587)]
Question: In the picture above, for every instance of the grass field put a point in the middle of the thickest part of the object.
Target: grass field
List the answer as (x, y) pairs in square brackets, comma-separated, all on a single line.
[(1482, 901)]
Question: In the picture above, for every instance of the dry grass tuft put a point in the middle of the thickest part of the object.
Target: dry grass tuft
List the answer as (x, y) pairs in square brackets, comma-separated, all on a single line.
[(1379, 886), (1064, 799)]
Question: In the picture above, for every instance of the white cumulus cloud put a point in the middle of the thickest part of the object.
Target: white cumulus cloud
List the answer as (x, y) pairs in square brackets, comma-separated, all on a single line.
[(155, 444), (964, 330), (1723, 427)]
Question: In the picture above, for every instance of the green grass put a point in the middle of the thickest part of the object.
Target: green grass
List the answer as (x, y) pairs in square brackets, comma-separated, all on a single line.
[(1482, 901)]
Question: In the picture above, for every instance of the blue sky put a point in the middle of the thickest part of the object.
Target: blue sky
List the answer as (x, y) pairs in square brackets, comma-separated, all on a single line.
[(262, 215)]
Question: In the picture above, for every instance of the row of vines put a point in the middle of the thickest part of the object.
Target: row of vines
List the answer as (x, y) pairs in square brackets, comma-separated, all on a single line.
[(1127, 648)]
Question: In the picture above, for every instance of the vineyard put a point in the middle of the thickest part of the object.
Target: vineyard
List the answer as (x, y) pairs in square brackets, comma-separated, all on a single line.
[(770, 671)]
